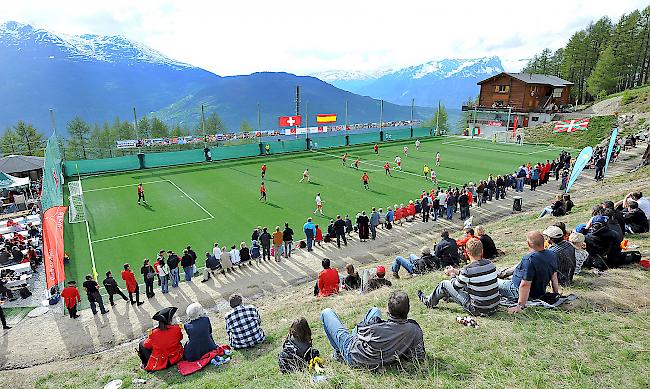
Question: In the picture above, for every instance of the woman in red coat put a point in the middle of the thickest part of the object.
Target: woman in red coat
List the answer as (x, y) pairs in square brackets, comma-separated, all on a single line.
[(162, 348)]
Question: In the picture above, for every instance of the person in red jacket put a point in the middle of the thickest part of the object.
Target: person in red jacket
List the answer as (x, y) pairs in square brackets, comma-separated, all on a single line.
[(319, 236), (71, 297), (131, 284), (163, 347), (328, 280)]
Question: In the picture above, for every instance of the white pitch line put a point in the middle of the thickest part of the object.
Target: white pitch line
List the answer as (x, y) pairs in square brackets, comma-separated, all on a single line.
[(496, 151), (189, 197), (153, 229), (123, 186)]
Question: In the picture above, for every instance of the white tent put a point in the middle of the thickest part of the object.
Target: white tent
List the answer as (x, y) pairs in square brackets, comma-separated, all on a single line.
[(8, 181)]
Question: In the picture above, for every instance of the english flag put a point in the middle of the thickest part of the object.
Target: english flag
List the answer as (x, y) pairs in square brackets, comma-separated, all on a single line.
[(290, 121), (571, 125), (325, 118)]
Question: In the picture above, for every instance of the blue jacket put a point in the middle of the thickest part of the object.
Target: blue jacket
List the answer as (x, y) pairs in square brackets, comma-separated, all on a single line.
[(199, 332), (309, 226), (390, 216), (374, 218)]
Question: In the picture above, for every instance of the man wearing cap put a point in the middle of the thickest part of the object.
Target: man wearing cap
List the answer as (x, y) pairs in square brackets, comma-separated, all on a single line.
[(378, 280), (565, 252), (532, 275), (162, 348), (414, 265), (243, 324), (71, 298)]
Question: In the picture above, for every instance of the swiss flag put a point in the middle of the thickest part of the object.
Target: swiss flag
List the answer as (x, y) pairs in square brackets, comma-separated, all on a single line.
[(290, 121)]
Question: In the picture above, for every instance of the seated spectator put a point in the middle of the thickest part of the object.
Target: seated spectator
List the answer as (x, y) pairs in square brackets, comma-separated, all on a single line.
[(635, 220), (376, 342), (162, 348), (234, 255), (378, 279), (399, 214), (469, 234), (556, 208), (352, 280), (328, 280), (199, 333), (603, 243), (211, 267), (568, 203), (390, 216), (447, 251), (416, 265), (642, 202), (243, 324), (410, 211), (297, 348), (244, 253), (578, 241), (256, 255), (489, 248), (225, 260), (474, 287), (618, 215), (532, 275), (565, 252)]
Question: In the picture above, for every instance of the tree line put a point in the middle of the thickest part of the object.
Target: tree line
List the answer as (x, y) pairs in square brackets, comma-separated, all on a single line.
[(601, 59)]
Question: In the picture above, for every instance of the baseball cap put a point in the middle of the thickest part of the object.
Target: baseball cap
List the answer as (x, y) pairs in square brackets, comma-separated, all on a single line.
[(380, 270), (553, 232)]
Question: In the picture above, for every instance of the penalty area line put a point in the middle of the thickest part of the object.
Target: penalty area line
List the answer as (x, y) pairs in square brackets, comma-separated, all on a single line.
[(123, 186), (152, 230)]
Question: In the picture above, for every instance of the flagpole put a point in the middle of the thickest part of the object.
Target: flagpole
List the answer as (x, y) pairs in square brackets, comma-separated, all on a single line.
[(438, 118), (411, 122), (306, 124), (381, 118), (259, 121), (346, 114)]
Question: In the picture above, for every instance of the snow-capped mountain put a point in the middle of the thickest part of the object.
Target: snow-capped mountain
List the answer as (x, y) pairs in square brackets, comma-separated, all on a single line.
[(449, 80)]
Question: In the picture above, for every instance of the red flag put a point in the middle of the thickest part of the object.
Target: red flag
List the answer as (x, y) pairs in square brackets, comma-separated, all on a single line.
[(290, 121), (514, 129), (326, 118), (53, 245)]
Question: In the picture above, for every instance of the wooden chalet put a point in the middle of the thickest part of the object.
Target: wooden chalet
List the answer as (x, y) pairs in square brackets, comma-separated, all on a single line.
[(524, 92)]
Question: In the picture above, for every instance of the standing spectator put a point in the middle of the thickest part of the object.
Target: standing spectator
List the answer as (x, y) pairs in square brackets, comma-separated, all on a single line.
[(161, 255), (188, 267), (328, 280), (131, 284), (287, 238), (211, 266), (71, 298), (426, 207), (364, 226), (310, 232), (265, 242), (111, 288), (463, 203), (277, 244), (374, 222), (319, 236), (148, 274), (348, 226), (165, 272), (565, 252), (339, 230), (94, 298), (3, 320), (174, 273), (243, 324)]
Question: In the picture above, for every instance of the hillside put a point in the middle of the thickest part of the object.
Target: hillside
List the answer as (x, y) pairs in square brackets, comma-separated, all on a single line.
[(600, 127)]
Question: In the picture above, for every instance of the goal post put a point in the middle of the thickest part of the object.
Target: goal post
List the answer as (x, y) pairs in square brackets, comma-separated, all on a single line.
[(511, 137), (76, 211)]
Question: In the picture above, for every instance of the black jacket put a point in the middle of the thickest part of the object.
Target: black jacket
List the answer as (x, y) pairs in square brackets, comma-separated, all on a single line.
[(447, 252), (187, 261), (425, 264), (489, 248), (339, 226), (212, 263), (265, 239), (636, 221), (295, 355), (605, 241), (173, 261), (111, 285), (287, 234)]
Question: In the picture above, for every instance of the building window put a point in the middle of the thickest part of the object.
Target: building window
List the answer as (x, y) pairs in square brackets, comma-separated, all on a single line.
[(557, 92), (502, 89), (534, 118)]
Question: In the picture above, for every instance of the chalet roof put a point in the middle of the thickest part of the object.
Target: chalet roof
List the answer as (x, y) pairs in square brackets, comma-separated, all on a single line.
[(529, 78), (20, 163)]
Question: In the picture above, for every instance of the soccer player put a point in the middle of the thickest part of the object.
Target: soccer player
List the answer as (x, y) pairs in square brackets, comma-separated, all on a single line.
[(426, 172), (141, 194), (376, 149), (305, 176), (417, 144), (406, 151), (387, 169), (437, 159), (262, 192), (319, 204), (398, 162), (263, 171), (434, 178), (365, 180), (356, 163), (345, 158)]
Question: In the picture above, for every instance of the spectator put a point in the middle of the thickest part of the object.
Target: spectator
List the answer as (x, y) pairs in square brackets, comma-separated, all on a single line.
[(148, 274), (565, 252), (71, 298), (211, 267), (287, 238), (556, 208), (469, 234), (474, 287), (578, 242), (635, 220), (489, 248), (447, 251), (352, 280), (603, 242), (297, 348), (244, 253), (642, 202), (348, 225), (364, 227), (618, 215), (174, 273), (328, 280), (164, 272), (188, 266), (374, 222), (243, 324), (199, 333), (532, 275), (378, 280), (111, 288), (3, 320), (235, 259), (131, 284), (339, 230), (376, 342), (216, 251), (265, 242), (94, 298), (255, 252), (416, 265), (226, 261), (310, 232), (568, 203), (319, 236), (162, 348)]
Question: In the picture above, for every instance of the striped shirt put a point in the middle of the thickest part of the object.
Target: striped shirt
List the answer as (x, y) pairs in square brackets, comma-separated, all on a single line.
[(479, 280)]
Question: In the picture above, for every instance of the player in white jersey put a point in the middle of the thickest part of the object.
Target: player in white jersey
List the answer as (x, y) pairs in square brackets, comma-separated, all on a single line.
[(398, 162), (305, 176), (417, 144), (319, 204), (406, 151), (437, 159)]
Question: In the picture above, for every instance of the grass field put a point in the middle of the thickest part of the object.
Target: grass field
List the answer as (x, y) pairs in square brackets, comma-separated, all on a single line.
[(199, 204)]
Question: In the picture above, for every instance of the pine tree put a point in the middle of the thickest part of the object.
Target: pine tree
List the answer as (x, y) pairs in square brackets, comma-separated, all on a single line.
[(30, 137), (9, 142), (159, 129), (603, 80), (79, 132)]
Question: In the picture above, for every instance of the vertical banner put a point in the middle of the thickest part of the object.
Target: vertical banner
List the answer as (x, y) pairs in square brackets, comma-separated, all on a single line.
[(612, 140), (53, 245), (516, 123), (579, 165)]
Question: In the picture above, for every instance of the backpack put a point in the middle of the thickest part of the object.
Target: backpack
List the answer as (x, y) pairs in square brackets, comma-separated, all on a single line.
[(389, 225)]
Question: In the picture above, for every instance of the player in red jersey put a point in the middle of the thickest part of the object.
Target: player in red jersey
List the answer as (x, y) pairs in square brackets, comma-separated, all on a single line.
[(263, 171), (365, 180), (262, 192), (376, 148), (387, 169), (344, 158), (356, 163), (141, 194)]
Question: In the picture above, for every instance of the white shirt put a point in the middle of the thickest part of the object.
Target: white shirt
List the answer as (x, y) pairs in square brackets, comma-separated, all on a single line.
[(398, 160), (437, 155), (216, 252), (234, 256), (318, 200), (305, 173), (417, 143), (644, 205)]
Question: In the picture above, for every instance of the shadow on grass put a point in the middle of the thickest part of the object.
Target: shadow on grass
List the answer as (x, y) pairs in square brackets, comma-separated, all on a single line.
[(274, 205), (148, 207)]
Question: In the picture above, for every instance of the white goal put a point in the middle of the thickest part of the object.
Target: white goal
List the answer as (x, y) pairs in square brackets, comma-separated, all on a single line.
[(508, 137), (76, 211)]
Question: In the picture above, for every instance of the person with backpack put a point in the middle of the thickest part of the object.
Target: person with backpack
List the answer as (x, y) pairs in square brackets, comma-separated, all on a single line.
[(297, 350), (149, 274), (415, 265)]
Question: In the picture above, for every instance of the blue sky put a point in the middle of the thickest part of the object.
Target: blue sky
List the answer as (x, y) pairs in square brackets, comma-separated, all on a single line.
[(304, 37)]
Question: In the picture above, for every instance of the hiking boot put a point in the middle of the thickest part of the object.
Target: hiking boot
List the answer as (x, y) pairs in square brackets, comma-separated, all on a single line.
[(395, 275), (424, 300)]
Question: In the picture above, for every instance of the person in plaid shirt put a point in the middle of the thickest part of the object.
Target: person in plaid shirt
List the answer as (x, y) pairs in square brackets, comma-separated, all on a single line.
[(243, 324)]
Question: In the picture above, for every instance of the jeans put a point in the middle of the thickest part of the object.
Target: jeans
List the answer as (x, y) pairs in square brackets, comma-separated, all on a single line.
[(508, 290), (545, 211), (373, 231), (175, 277), (450, 213), (425, 215), (188, 273), (520, 185), (94, 300), (288, 246), (277, 252), (446, 290), (464, 212), (266, 252), (310, 239), (405, 263), (164, 283), (339, 336), (148, 287), (435, 214), (338, 239)]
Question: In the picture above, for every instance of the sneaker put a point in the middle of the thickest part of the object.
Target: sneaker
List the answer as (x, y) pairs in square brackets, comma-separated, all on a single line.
[(424, 300), (106, 311), (6, 327), (395, 275)]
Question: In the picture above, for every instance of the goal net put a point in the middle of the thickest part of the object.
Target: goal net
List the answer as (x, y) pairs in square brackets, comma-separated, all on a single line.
[(76, 211), (509, 137)]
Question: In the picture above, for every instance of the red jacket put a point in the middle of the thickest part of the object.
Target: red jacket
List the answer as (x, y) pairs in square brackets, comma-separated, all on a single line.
[(70, 296), (411, 210), (319, 235), (129, 278), (328, 282), (398, 214), (166, 347)]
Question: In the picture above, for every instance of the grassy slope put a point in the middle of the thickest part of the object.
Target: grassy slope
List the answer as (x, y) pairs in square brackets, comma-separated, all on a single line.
[(600, 127), (229, 190), (600, 341)]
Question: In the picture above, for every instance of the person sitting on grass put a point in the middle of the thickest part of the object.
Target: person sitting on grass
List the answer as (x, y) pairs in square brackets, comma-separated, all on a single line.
[(297, 348), (635, 220), (532, 275), (199, 333), (162, 348), (415, 265), (378, 280), (489, 248), (474, 287), (565, 252), (243, 325), (376, 343), (352, 280), (469, 234), (578, 241), (556, 208), (447, 251), (328, 280)]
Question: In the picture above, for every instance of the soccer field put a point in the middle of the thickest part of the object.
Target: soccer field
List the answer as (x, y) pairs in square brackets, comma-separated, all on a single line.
[(201, 204)]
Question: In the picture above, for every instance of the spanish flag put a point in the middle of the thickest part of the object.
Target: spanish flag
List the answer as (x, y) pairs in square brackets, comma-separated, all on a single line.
[(326, 118)]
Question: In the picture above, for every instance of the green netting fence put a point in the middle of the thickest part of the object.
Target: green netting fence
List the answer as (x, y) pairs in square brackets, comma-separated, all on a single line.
[(52, 193)]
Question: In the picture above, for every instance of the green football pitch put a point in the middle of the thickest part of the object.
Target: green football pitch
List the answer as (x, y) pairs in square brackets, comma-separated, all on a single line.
[(204, 203)]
